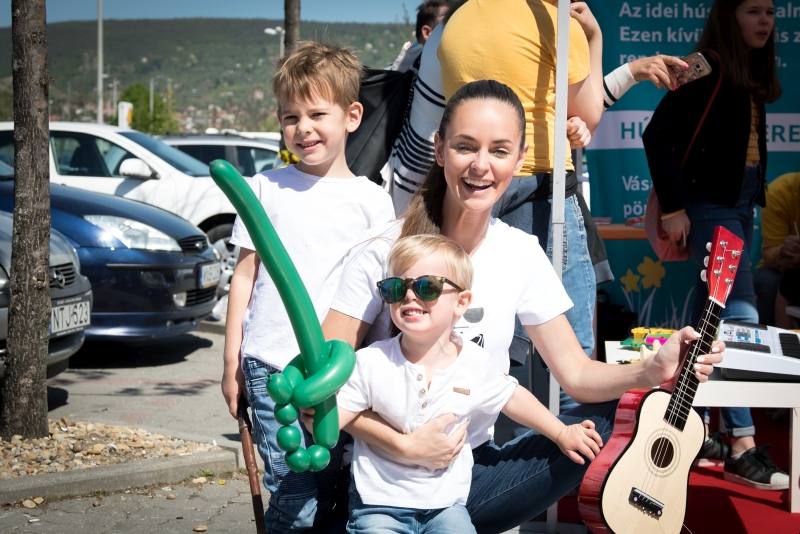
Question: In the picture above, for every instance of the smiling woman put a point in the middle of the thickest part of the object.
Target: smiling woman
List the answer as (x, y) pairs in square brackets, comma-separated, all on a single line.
[(479, 147)]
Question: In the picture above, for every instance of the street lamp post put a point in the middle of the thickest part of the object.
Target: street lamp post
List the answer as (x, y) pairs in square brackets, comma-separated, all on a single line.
[(100, 61), (280, 32)]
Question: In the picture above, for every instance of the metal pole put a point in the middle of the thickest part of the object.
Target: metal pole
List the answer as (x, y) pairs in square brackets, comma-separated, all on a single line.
[(99, 61), (152, 85), (559, 170), (282, 36)]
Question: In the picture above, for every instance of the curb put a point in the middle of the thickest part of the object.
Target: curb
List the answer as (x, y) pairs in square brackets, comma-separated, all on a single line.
[(110, 478)]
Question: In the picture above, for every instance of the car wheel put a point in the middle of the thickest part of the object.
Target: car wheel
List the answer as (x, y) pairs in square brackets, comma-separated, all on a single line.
[(220, 238)]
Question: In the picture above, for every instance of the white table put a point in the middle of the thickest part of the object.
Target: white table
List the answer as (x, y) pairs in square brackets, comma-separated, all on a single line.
[(747, 395)]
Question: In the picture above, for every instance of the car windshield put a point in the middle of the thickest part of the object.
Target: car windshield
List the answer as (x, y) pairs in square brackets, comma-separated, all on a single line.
[(183, 162)]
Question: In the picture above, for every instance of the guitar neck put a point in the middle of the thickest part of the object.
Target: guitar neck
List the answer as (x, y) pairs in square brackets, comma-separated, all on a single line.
[(680, 402)]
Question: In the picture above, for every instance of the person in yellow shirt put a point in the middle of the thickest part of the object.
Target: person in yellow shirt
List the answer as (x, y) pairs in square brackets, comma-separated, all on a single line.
[(514, 42), (778, 280)]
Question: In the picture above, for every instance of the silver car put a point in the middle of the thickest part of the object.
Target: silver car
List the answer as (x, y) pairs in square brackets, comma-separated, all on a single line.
[(70, 294)]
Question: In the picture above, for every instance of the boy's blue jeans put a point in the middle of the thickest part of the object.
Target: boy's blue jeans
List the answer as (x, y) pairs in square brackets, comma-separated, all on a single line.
[(369, 519), (298, 501), (741, 304)]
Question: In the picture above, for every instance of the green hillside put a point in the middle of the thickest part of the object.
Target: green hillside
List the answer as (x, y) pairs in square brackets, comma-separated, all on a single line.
[(219, 69)]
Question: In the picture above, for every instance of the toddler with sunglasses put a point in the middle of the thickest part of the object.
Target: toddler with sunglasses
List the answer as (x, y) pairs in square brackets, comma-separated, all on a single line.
[(424, 372)]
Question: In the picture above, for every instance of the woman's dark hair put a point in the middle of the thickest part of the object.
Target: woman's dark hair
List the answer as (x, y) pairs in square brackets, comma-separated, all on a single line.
[(424, 212), (752, 69)]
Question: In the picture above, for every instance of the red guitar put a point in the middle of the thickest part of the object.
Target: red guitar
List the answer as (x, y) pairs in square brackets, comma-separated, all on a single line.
[(638, 482)]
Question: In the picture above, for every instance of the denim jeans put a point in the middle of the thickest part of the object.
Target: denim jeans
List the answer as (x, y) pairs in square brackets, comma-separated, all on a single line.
[(298, 501), (741, 303), (369, 519), (519, 209), (518, 481)]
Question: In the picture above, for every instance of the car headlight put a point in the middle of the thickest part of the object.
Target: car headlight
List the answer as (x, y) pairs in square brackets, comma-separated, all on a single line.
[(134, 234), (3, 279)]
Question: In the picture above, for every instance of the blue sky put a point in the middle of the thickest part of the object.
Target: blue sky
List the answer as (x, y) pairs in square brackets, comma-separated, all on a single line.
[(323, 10)]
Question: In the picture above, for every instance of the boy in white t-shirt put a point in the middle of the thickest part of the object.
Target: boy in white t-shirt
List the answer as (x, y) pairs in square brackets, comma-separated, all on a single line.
[(319, 209), (427, 371)]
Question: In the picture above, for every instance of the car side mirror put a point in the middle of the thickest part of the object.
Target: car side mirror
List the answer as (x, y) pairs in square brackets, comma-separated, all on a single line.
[(136, 168)]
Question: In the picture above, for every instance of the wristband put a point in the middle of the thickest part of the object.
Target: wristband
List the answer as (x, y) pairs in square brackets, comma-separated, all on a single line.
[(616, 83)]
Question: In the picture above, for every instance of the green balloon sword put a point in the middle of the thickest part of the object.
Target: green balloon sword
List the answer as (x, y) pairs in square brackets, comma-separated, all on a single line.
[(312, 378)]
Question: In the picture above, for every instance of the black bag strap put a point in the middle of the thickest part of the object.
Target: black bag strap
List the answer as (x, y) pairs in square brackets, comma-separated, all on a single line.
[(708, 107)]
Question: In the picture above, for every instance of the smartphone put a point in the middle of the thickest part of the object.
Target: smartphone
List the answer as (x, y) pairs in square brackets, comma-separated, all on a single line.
[(698, 67)]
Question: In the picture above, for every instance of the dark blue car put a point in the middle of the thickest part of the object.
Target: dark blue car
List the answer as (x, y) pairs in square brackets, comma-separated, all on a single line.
[(153, 274)]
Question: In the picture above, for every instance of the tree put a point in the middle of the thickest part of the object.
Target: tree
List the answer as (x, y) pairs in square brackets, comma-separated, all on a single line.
[(162, 120), (291, 22), (24, 388)]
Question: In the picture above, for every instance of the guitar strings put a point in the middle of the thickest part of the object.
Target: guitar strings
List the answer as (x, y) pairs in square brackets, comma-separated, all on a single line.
[(684, 384)]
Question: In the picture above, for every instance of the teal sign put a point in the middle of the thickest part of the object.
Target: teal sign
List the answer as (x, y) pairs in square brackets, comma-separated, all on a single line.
[(661, 294)]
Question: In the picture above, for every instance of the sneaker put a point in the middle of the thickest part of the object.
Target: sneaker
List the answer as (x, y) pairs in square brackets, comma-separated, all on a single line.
[(714, 450), (754, 468)]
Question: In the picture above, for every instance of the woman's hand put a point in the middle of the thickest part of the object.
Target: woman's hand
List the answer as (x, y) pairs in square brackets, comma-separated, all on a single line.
[(664, 364), (658, 69), (677, 227), (578, 441), (232, 388), (429, 446), (578, 133), (581, 12)]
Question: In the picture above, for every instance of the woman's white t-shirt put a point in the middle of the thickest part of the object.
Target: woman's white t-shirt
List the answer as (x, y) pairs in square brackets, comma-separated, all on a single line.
[(397, 390), (512, 277), (318, 220)]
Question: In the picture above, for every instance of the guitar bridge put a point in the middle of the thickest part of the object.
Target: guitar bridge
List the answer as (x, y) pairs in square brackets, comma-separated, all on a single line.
[(646, 503)]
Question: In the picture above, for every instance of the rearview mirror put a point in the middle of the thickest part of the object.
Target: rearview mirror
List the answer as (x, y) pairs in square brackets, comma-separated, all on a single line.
[(136, 168)]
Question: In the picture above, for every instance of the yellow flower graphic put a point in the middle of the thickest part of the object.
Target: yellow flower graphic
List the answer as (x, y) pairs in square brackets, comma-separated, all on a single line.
[(652, 271), (630, 281)]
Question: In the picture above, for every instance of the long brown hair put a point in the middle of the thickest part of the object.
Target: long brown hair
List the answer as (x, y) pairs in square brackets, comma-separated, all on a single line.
[(752, 69), (424, 212)]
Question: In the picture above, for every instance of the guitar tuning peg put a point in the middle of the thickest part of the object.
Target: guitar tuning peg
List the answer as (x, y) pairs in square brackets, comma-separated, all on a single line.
[(708, 246), (703, 276), (705, 261)]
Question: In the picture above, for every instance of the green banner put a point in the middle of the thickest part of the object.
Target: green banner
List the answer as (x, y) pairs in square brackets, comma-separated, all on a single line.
[(661, 294)]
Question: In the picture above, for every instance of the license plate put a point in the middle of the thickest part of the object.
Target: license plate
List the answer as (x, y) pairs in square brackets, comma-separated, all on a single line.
[(71, 317), (209, 274)]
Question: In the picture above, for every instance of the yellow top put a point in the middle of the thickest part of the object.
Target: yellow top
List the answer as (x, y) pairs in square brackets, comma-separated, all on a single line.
[(514, 42), (752, 144), (781, 216)]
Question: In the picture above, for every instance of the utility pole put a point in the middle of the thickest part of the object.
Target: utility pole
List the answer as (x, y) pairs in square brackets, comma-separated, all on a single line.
[(99, 61), (152, 102)]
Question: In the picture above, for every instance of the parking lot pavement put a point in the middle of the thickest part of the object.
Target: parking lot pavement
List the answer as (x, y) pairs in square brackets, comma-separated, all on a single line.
[(181, 508), (172, 388)]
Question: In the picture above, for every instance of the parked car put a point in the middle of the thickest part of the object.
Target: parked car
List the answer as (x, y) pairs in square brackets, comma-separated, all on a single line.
[(153, 274), (70, 296), (250, 156), (132, 164)]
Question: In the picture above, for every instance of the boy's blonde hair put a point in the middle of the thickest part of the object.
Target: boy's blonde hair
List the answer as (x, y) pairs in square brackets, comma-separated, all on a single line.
[(408, 250), (314, 70)]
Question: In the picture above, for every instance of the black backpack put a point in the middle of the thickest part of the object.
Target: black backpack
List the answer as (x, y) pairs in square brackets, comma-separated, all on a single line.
[(386, 96)]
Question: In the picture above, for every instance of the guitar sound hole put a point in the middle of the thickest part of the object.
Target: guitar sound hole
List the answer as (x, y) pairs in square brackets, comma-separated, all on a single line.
[(662, 452)]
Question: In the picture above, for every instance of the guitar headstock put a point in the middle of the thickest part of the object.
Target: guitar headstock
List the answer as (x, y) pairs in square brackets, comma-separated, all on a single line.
[(723, 261)]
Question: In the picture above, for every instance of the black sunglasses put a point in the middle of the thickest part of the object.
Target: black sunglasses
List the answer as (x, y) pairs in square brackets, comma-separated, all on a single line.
[(427, 287)]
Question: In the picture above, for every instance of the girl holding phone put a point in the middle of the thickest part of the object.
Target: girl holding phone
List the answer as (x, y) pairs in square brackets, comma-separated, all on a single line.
[(706, 148)]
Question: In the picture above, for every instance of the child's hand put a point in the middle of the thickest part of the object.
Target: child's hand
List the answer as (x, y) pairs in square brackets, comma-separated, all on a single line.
[(307, 418), (232, 388), (579, 438)]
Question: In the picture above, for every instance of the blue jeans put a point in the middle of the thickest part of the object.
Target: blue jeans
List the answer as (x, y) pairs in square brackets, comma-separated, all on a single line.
[(518, 481), (741, 303), (298, 501), (519, 209), (369, 519)]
